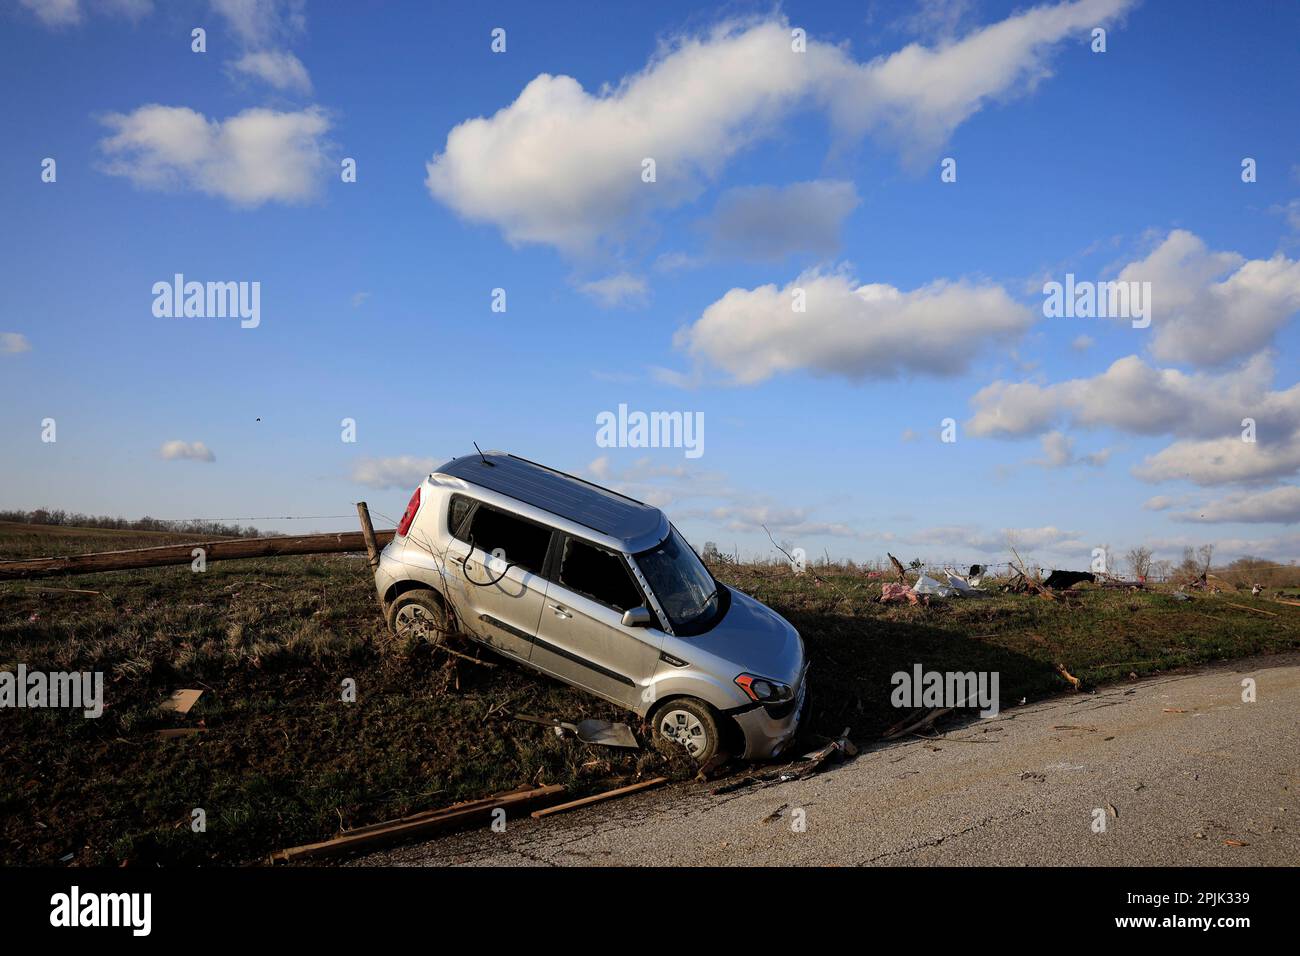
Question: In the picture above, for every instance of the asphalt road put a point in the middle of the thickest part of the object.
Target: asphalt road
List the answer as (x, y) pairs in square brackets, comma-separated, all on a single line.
[(1176, 765)]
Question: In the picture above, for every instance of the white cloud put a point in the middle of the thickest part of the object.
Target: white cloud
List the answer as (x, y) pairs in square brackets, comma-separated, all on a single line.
[(563, 166), (259, 22), (1024, 540), (279, 69), (178, 450), (1159, 503), (616, 290), (769, 222), (1209, 308), (1281, 505), (1219, 461), (59, 13), (359, 299), (257, 156), (1058, 452), (55, 12), (1082, 343), (403, 471), (855, 331), (1135, 397), (11, 343)]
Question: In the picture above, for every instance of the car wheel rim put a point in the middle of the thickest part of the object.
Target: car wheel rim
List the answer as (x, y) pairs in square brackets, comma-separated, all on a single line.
[(414, 621), (684, 728)]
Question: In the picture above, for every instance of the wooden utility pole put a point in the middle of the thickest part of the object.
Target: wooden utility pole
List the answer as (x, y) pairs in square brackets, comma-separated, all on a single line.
[(368, 534), (225, 549)]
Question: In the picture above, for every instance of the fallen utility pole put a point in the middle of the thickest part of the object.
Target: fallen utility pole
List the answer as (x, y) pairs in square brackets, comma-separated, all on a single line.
[(598, 797), (225, 549), (418, 825)]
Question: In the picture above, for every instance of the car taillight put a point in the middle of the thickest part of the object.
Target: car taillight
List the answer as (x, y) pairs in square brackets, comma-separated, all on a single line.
[(412, 507)]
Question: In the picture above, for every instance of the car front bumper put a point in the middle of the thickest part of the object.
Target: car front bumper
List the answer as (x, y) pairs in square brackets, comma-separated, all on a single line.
[(767, 736)]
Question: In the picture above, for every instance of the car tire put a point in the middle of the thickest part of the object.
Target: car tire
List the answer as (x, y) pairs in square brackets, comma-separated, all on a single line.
[(420, 615), (688, 723)]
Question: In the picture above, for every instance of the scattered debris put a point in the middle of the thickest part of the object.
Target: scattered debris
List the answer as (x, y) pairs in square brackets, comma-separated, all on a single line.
[(181, 701), (902, 728), (599, 797), (898, 567), (776, 814), (1174, 710), (890, 593), (1034, 776), (1111, 809), (711, 765), (1074, 681), (589, 730), (181, 731), (1060, 580), (929, 586), (1235, 843)]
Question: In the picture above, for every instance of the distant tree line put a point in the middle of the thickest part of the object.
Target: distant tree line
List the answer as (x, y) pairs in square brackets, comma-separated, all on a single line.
[(74, 519)]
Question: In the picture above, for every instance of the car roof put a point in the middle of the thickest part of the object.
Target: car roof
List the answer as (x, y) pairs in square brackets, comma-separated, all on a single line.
[(634, 523)]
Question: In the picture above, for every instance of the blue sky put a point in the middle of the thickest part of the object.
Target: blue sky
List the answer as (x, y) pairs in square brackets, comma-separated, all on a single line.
[(776, 171)]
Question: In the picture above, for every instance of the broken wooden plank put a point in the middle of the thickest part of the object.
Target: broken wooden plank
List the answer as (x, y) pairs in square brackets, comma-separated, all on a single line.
[(382, 834), (598, 797), (181, 701), (1247, 607)]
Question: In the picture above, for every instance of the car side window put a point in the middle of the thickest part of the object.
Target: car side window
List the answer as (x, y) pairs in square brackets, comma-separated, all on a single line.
[(457, 511), (598, 574), (523, 543)]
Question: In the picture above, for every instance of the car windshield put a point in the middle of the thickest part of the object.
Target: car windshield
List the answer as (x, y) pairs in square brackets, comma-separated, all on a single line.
[(684, 587)]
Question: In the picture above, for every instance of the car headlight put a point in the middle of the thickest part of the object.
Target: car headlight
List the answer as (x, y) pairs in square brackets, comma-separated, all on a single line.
[(764, 689)]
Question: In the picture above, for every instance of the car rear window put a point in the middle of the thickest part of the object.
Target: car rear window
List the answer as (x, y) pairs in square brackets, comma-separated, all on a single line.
[(598, 574), (521, 542), (456, 514)]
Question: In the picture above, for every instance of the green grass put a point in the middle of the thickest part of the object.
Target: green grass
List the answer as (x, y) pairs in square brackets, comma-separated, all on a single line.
[(284, 761)]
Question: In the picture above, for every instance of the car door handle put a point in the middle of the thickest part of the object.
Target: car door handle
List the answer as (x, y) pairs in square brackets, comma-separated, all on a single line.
[(560, 610)]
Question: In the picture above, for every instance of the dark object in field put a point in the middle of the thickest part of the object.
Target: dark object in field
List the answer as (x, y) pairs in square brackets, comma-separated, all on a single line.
[(181, 701), (1068, 579)]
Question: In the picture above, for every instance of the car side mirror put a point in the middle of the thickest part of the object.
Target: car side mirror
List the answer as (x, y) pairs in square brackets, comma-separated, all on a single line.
[(637, 617)]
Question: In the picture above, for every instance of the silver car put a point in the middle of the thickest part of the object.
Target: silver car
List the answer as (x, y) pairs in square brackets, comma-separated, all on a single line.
[(600, 591)]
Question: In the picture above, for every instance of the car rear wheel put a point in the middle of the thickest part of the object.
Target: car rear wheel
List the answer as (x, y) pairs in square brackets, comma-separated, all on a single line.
[(689, 724), (419, 616)]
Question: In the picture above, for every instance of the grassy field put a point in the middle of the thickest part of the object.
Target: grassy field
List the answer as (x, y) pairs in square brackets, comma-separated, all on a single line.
[(283, 760)]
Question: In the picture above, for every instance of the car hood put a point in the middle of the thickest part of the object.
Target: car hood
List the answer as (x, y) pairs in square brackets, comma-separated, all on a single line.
[(757, 639)]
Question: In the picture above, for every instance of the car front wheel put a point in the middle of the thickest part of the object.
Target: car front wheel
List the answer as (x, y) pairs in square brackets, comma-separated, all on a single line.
[(689, 724)]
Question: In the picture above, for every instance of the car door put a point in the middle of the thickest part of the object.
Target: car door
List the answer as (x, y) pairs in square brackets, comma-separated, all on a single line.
[(581, 637), (497, 559)]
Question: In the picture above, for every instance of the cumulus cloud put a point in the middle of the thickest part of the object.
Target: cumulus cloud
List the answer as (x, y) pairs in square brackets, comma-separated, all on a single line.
[(277, 68), (1135, 397), (254, 157), (770, 222), (11, 343), (1159, 503), (1281, 505), (1220, 461), (178, 450), (1058, 452), (1204, 411), (852, 330), (564, 166), (616, 290), (1209, 308), (258, 23), (402, 471)]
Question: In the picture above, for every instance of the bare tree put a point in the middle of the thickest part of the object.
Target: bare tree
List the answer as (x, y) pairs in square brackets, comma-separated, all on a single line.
[(1139, 561)]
